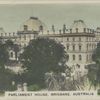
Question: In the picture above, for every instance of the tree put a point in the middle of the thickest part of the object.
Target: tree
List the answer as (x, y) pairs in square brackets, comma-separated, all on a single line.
[(10, 45), (41, 56), (6, 76), (96, 54), (94, 69), (4, 56)]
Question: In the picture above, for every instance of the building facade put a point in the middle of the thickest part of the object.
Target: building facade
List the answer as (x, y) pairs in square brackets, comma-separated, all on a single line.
[(79, 40)]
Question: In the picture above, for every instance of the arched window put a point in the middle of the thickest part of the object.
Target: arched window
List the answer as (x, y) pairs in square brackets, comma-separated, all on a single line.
[(80, 57), (73, 47), (67, 47), (80, 47), (73, 57), (11, 54)]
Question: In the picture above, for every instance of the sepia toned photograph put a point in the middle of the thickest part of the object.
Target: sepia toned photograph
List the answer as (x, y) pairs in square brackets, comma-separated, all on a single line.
[(49, 47)]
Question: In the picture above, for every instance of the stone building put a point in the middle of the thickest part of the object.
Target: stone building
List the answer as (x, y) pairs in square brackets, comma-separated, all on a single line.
[(29, 30), (79, 40)]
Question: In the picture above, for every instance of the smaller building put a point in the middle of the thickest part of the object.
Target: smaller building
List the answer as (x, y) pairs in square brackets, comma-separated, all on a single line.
[(29, 30), (79, 42)]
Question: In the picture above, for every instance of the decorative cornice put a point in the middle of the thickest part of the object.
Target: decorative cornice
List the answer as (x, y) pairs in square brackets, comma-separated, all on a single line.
[(69, 35)]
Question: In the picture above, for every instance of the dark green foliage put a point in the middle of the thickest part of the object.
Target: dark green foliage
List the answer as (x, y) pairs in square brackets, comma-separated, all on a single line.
[(33, 88), (3, 55), (96, 54), (94, 69), (98, 92), (92, 74), (41, 56), (9, 43), (6, 76)]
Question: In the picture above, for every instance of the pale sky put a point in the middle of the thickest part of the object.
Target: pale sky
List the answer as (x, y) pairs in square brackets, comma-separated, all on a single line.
[(13, 16)]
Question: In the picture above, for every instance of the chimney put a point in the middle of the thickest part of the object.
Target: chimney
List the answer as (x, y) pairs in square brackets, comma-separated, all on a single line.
[(60, 31), (53, 28), (64, 28), (25, 27), (41, 28)]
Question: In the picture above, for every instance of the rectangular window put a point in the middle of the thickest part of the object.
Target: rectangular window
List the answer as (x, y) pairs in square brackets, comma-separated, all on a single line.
[(73, 57), (73, 47), (80, 47), (80, 57), (67, 47)]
